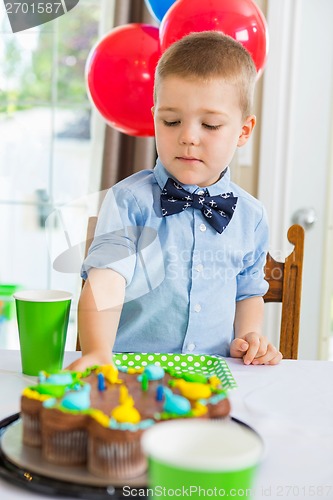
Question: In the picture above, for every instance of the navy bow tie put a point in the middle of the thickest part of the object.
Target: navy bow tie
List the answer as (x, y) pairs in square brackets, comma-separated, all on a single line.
[(218, 210)]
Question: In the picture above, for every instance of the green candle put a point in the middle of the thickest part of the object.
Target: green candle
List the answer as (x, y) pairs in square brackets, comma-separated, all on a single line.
[(144, 382)]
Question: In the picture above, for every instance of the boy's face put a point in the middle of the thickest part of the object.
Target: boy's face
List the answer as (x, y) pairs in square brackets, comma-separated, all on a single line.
[(198, 126)]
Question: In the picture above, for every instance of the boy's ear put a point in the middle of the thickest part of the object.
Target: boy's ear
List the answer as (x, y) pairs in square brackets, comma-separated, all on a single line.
[(247, 129), (153, 110)]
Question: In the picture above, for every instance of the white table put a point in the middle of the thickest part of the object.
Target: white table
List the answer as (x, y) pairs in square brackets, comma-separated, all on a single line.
[(290, 405)]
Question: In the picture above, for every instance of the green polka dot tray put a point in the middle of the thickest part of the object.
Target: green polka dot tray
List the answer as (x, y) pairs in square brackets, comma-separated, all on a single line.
[(206, 365)]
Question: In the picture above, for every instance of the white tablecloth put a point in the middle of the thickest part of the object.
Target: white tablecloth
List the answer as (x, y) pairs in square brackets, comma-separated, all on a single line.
[(290, 405)]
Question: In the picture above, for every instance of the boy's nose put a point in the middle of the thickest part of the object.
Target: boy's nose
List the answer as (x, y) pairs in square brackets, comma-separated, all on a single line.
[(188, 136)]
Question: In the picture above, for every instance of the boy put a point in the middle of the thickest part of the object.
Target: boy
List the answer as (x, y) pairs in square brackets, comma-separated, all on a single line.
[(177, 261)]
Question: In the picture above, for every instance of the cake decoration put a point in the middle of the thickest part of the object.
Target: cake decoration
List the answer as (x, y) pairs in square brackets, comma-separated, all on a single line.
[(125, 412), (97, 416), (110, 373), (144, 381), (154, 372), (193, 390), (101, 382), (159, 393), (175, 404), (77, 400), (64, 378)]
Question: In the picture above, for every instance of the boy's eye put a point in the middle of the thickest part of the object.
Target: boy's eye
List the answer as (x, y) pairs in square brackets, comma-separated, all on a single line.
[(170, 124), (211, 127)]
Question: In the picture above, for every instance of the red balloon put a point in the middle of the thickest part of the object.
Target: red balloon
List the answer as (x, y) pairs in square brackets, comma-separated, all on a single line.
[(120, 77), (241, 19)]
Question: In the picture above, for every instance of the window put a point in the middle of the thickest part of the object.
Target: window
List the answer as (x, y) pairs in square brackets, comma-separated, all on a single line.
[(45, 147)]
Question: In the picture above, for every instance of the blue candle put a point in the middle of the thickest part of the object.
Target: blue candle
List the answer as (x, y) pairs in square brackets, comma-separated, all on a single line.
[(159, 393), (101, 382)]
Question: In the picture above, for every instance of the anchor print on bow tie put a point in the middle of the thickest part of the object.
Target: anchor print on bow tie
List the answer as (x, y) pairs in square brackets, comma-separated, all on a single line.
[(28, 14), (217, 210)]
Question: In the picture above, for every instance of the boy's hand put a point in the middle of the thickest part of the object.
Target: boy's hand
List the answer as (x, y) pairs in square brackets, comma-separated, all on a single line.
[(255, 349), (87, 360)]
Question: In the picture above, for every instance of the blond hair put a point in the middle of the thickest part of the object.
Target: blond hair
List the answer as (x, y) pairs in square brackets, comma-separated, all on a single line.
[(206, 55)]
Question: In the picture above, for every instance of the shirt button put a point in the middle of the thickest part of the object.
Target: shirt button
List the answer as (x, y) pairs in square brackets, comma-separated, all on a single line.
[(190, 347), (199, 268), (202, 227), (197, 308), (201, 192)]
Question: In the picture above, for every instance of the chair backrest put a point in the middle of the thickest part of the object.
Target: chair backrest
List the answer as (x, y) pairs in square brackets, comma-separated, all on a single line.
[(285, 286), (91, 228)]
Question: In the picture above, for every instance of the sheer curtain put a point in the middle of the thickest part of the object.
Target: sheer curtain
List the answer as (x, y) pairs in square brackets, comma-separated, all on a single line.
[(122, 154)]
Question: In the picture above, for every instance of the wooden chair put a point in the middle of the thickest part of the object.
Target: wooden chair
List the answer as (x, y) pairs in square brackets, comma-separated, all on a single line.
[(92, 221), (285, 285), (91, 228)]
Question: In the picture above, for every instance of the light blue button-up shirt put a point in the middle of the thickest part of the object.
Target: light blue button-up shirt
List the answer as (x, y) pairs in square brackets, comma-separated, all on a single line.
[(183, 278)]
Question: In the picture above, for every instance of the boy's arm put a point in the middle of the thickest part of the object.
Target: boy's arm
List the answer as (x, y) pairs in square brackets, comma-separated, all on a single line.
[(99, 310), (249, 343)]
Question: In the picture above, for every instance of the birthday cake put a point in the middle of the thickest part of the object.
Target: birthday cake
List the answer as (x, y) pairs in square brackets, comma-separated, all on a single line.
[(97, 417)]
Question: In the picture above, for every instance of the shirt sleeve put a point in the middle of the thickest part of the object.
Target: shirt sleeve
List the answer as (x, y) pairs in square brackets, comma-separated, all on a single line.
[(117, 232), (251, 280)]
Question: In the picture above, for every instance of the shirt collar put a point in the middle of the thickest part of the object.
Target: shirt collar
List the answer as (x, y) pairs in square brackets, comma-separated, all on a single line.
[(221, 186)]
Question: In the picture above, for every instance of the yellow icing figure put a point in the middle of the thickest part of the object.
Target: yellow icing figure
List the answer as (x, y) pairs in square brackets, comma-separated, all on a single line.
[(125, 412), (199, 409), (100, 417), (110, 373), (193, 390), (135, 370), (124, 397), (29, 393), (215, 382)]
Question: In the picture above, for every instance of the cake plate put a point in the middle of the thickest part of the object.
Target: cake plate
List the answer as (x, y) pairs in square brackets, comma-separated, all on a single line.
[(46, 482), (49, 486)]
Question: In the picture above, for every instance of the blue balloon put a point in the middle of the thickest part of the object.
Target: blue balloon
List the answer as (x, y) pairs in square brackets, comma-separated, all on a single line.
[(158, 8)]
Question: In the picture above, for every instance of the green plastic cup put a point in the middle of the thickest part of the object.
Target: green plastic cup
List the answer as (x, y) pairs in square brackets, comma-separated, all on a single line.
[(42, 319), (201, 458)]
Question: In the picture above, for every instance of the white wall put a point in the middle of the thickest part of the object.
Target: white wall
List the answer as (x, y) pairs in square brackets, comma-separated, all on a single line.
[(295, 141)]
